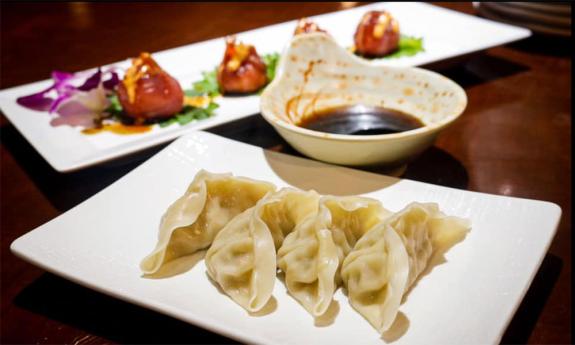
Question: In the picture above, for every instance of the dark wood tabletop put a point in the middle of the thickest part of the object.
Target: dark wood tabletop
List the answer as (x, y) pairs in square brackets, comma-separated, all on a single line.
[(514, 139)]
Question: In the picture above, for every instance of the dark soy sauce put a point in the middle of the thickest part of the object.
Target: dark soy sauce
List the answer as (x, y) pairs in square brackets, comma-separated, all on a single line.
[(360, 120)]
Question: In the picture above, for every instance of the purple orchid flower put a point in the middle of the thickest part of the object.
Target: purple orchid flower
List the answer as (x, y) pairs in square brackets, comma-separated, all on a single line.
[(83, 108), (77, 105)]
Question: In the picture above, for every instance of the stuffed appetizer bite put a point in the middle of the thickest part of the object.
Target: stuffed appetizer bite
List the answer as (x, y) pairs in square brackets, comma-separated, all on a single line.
[(148, 92), (242, 70), (377, 34)]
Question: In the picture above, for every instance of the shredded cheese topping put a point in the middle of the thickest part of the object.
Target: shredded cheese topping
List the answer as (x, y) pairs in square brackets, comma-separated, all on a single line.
[(141, 66), (384, 21), (241, 52)]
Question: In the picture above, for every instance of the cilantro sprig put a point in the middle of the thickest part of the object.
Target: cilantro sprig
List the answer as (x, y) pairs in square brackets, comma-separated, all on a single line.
[(208, 85), (189, 114)]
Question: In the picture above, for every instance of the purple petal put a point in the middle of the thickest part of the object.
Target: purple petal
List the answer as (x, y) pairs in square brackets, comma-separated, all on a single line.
[(60, 76), (59, 100), (37, 101), (74, 114), (111, 83), (82, 109), (92, 82), (64, 87)]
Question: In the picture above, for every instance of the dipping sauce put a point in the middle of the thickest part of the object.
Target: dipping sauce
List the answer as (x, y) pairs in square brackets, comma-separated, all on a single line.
[(360, 120)]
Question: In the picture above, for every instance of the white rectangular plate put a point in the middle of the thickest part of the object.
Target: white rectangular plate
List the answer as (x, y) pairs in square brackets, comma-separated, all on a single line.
[(446, 34), (470, 299)]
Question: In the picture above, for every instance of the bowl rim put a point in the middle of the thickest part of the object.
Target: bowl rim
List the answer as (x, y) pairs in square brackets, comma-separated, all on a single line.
[(427, 128)]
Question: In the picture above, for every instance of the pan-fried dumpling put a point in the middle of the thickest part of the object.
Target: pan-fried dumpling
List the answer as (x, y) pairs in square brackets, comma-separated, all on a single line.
[(380, 269), (242, 258), (191, 222), (311, 255)]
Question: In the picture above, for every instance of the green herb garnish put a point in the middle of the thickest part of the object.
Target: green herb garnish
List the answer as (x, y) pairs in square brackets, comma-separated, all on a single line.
[(208, 85), (271, 61), (408, 46), (115, 108), (189, 114)]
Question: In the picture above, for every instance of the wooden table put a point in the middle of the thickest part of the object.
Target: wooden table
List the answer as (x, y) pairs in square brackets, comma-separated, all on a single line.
[(514, 139)]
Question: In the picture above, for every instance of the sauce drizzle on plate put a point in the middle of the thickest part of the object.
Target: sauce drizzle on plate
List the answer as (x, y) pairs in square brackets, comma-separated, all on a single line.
[(119, 128)]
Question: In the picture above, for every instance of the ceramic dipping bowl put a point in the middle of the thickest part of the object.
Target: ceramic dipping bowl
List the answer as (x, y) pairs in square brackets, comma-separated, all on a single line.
[(315, 73)]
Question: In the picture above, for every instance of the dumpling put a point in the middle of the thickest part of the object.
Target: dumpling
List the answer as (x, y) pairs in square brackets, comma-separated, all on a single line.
[(242, 258), (311, 255), (375, 274), (281, 211), (387, 260), (309, 259), (426, 231), (350, 218), (191, 222)]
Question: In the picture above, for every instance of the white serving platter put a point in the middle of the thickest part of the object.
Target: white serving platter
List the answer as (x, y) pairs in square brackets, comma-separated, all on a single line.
[(469, 299), (446, 34)]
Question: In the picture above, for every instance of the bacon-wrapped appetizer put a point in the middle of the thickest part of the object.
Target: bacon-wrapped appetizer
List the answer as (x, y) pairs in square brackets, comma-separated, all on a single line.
[(242, 70), (377, 34), (148, 92), (306, 26)]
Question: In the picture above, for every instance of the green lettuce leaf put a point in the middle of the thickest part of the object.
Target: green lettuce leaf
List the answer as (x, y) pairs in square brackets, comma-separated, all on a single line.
[(408, 46), (271, 61)]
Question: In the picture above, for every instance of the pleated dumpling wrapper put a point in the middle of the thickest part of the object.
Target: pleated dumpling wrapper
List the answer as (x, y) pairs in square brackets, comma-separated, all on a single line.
[(312, 254), (387, 260), (191, 222), (242, 259), (350, 218)]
